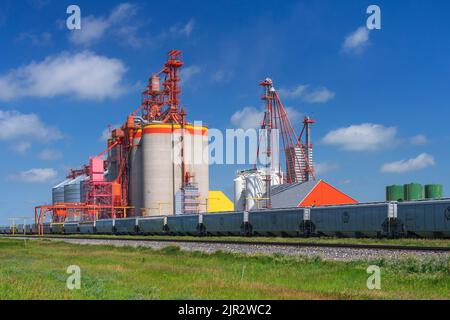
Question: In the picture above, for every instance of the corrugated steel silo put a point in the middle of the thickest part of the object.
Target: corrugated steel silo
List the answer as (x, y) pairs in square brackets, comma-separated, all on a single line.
[(414, 191), (58, 192), (434, 191), (136, 174), (394, 193), (72, 190)]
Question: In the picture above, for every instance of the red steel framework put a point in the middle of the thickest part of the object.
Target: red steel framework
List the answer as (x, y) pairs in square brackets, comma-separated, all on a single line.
[(276, 118), (160, 102)]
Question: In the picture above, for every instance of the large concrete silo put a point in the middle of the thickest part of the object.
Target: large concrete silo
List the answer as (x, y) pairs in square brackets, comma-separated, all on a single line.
[(162, 146)]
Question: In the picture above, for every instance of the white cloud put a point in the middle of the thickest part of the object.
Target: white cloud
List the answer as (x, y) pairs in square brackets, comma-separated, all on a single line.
[(320, 95), (118, 24), (293, 93), (16, 126), (303, 92), (247, 118), (419, 139), (251, 118), (363, 137), (184, 30), (422, 161), (50, 154), (83, 75), (21, 147), (36, 175), (324, 167), (356, 41), (189, 72)]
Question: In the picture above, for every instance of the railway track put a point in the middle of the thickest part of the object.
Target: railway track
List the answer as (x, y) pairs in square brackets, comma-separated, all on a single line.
[(250, 243)]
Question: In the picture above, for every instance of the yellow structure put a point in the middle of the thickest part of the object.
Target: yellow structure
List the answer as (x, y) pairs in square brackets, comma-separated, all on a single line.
[(219, 202)]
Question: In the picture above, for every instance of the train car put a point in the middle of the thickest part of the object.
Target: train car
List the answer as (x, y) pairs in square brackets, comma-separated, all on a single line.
[(224, 224), (47, 228), (71, 228), (105, 226), (428, 219), (279, 222), (86, 227), (57, 228), (152, 225), (29, 229), (20, 229), (126, 226), (362, 220), (185, 225)]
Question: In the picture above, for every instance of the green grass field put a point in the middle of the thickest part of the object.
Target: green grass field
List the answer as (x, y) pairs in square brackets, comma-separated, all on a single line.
[(35, 269)]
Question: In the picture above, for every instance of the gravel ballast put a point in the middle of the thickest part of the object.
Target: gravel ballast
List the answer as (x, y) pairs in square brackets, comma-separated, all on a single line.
[(335, 254)]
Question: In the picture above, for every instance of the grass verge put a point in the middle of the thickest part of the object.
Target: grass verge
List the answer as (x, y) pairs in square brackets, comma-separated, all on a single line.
[(37, 270)]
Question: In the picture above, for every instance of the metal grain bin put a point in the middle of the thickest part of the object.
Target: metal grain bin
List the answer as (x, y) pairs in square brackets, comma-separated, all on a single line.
[(57, 228), (58, 192), (71, 227), (151, 226), (72, 190), (86, 227), (429, 219), (395, 193), (413, 191), (105, 226), (184, 225), (126, 226), (278, 222), (361, 220), (434, 191), (223, 224)]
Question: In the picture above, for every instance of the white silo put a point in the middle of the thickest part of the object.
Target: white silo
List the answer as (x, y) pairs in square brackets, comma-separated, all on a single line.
[(162, 165), (239, 193)]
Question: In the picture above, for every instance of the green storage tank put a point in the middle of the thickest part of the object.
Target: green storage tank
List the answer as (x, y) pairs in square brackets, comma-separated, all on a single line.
[(413, 191), (434, 191), (394, 193)]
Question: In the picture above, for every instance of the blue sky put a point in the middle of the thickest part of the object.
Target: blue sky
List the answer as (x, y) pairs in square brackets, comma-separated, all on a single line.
[(380, 98)]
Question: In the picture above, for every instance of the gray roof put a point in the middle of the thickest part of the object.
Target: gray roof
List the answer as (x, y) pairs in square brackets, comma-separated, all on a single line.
[(290, 195)]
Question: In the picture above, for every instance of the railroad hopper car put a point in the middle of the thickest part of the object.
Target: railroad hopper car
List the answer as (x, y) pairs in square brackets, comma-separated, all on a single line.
[(225, 224), (185, 225), (363, 220), (152, 226), (106, 226), (71, 228), (57, 228), (5, 230), (126, 226), (87, 227), (278, 222), (427, 219)]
